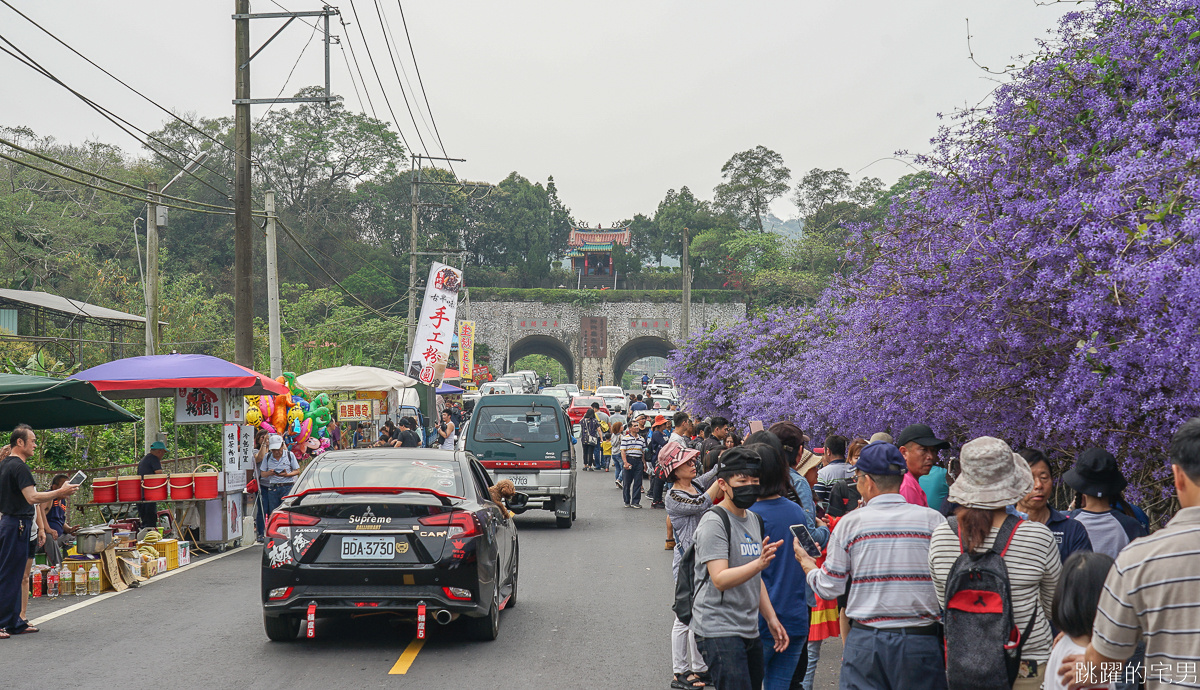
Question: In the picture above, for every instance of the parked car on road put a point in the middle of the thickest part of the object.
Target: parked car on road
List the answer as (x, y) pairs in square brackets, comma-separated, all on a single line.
[(580, 405)]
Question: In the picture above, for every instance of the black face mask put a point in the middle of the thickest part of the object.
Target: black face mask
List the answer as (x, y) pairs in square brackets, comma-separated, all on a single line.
[(745, 496)]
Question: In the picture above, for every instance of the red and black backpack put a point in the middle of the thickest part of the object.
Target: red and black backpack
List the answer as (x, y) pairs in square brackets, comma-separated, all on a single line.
[(983, 643)]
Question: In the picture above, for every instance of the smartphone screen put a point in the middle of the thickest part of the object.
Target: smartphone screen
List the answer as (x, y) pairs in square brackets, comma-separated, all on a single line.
[(78, 478), (806, 540)]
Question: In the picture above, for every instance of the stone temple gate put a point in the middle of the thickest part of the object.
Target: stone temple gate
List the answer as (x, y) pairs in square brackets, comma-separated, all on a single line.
[(587, 340)]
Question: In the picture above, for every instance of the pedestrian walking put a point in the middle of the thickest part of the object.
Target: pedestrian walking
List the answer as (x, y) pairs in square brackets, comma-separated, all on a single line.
[(617, 432), (843, 495), (445, 431), (919, 447), (606, 442), (1070, 535), (883, 548), (589, 436), (687, 498), (992, 479), (18, 497), (633, 451), (1150, 594), (783, 578), (1074, 610), (654, 445), (731, 594), (1099, 483)]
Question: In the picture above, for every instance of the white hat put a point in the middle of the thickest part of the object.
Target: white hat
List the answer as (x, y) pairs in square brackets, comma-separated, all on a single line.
[(992, 475), (275, 442)]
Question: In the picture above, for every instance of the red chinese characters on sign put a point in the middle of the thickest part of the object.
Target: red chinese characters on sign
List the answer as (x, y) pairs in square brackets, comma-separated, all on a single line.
[(200, 402), (537, 323), (355, 410), (439, 316), (660, 324)]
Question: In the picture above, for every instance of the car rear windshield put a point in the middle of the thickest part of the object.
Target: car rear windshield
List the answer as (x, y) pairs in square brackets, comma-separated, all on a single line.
[(587, 402), (520, 423), (439, 475)]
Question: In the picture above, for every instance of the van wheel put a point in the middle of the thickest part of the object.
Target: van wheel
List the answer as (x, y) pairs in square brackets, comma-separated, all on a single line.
[(563, 522)]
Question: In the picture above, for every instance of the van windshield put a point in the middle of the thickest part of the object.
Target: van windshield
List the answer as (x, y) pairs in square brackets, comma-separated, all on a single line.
[(519, 423)]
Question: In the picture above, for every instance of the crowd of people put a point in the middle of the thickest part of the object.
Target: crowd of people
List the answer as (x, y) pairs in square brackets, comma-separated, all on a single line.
[(934, 572)]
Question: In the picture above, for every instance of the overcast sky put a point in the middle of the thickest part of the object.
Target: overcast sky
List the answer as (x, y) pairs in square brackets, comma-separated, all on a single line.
[(619, 101)]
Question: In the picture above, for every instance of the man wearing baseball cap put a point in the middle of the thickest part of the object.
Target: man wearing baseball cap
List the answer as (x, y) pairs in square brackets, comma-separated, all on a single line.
[(919, 448), (151, 463), (277, 473), (658, 439), (883, 548)]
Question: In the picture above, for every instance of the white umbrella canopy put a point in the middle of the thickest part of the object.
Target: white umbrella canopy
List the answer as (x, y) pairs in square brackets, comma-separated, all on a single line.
[(354, 378)]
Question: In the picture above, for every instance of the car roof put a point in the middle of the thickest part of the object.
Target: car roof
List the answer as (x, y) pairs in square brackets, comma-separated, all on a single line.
[(520, 398)]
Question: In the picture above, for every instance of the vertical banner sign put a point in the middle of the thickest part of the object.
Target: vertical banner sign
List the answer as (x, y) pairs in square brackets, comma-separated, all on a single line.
[(246, 448), (466, 349), (595, 336), (435, 327), (230, 448), (199, 405)]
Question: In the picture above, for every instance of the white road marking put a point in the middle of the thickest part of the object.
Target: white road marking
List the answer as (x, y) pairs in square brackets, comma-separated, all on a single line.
[(108, 595)]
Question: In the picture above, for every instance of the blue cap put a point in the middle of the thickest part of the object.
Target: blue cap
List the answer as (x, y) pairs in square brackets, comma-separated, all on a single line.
[(880, 457), (158, 445)]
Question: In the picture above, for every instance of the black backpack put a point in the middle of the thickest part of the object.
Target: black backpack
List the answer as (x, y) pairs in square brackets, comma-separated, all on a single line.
[(685, 584), (983, 643)]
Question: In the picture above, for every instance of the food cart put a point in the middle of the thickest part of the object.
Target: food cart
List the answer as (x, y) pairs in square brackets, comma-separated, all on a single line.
[(379, 393), (207, 390)]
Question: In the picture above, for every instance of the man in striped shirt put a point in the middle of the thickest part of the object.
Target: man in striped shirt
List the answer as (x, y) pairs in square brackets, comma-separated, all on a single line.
[(1153, 594), (882, 549), (633, 447)]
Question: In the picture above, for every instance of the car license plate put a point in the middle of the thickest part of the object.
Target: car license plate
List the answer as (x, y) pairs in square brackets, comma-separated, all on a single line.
[(368, 548), (517, 479)]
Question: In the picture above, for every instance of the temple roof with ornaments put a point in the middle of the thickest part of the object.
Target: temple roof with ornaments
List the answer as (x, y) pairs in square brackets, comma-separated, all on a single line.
[(598, 239)]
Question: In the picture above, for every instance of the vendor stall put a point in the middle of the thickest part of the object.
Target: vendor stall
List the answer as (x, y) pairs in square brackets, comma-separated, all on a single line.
[(207, 390), (380, 393)]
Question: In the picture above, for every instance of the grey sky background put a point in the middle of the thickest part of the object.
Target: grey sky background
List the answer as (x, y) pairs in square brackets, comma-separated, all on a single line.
[(619, 101)]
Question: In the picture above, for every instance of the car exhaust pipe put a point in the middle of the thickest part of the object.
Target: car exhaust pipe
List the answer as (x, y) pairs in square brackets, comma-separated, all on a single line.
[(442, 616)]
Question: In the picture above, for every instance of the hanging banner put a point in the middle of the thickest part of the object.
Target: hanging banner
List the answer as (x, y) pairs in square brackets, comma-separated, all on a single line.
[(435, 327), (199, 405), (355, 410), (466, 349)]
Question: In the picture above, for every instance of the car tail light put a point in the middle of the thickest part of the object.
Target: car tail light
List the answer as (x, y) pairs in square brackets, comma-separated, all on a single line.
[(459, 523), (280, 593), (281, 523), (457, 593), (565, 460)]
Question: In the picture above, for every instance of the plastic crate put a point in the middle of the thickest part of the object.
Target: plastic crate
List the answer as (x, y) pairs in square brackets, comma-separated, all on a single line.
[(169, 549)]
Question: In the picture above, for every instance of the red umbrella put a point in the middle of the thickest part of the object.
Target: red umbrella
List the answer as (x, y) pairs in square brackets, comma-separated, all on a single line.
[(158, 376)]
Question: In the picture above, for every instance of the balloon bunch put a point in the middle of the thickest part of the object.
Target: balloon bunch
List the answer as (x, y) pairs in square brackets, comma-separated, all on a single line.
[(296, 416)]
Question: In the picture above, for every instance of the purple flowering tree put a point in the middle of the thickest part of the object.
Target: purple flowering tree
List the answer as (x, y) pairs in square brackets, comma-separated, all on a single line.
[(1044, 287)]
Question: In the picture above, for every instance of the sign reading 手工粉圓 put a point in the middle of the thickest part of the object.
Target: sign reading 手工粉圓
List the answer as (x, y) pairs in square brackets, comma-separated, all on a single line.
[(435, 327)]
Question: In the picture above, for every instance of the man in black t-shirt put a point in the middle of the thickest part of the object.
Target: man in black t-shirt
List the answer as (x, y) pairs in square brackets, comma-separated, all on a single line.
[(18, 495), (409, 437), (151, 464)]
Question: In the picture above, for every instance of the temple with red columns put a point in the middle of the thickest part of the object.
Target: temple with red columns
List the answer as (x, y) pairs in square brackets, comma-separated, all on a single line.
[(591, 254)]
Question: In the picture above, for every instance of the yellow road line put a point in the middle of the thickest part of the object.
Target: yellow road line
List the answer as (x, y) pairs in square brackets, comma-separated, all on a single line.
[(407, 658)]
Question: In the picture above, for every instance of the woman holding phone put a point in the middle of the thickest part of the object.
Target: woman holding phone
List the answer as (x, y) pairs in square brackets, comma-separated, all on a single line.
[(784, 579)]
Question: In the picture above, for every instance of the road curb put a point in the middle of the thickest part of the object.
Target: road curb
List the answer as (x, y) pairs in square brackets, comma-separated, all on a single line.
[(108, 595)]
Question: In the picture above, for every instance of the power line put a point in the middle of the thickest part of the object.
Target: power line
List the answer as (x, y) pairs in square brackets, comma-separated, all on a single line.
[(98, 176), (105, 189), (289, 76), (357, 95), (354, 55), (112, 117), (399, 82), (66, 45), (421, 83), (371, 57)]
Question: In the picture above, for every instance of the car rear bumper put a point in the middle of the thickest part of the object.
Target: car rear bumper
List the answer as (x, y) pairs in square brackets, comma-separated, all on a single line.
[(352, 599)]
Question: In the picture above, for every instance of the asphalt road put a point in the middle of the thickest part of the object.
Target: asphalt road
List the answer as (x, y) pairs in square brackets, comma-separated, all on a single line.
[(594, 612)]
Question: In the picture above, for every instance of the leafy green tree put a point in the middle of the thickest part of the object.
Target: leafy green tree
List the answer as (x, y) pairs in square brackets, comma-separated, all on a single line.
[(753, 179)]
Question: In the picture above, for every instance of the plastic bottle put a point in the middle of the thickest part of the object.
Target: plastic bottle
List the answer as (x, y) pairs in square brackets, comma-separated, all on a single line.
[(65, 579), (80, 581), (94, 580), (52, 583), (37, 583)]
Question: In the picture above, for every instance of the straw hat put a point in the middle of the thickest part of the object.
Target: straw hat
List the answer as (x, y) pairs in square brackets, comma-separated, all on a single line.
[(992, 475), (808, 461)]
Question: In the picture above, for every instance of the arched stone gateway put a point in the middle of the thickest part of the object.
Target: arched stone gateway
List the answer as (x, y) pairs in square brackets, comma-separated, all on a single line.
[(592, 339), (632, 351), (544, 345)]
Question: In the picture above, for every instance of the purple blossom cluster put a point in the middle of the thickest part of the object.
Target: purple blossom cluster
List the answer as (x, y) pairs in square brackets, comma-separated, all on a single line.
[(1043, 288)]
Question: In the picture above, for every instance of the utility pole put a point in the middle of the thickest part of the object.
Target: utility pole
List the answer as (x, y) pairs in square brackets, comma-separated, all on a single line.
[(275, 344), (243, 226), (685, 322), (412, 262), (151, 421), (243, 240)]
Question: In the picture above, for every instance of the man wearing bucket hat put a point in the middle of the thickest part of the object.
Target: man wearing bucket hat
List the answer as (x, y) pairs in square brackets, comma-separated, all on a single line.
[(919, 447), (1099, 482), (992, 479), (151, 463), (882, 547)]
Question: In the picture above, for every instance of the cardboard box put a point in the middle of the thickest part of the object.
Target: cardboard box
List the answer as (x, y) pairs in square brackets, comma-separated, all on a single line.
[(185, 552)]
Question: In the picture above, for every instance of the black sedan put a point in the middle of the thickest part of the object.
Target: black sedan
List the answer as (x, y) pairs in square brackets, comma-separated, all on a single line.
[(395, 530)]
